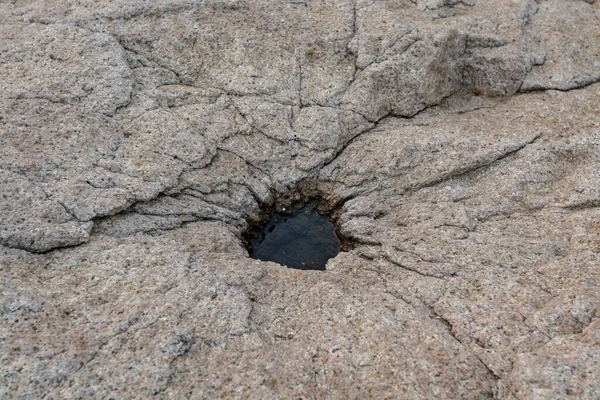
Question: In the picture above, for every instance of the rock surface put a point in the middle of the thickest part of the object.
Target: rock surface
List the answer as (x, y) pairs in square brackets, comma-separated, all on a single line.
[(458, 143)]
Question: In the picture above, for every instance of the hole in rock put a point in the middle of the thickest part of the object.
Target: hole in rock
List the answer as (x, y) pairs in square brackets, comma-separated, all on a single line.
[(300, 238)]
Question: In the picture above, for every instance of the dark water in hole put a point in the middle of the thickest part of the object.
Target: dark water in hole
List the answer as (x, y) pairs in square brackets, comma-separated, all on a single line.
[(302, 240)]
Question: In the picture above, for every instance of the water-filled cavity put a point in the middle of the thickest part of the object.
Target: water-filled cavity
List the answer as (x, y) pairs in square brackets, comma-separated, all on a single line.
[(303, 239)]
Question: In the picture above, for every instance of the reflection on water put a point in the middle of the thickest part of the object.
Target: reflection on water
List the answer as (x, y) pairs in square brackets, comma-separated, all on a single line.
[(302, 240)]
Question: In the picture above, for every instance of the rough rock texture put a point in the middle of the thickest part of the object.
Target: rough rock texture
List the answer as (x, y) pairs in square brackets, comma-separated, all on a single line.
[(457, 142)]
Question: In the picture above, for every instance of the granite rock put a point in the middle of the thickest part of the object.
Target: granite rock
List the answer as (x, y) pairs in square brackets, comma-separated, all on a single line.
[(457, 144)]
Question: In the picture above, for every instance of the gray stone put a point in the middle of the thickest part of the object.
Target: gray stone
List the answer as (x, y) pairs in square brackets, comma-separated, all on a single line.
[(457, 144)]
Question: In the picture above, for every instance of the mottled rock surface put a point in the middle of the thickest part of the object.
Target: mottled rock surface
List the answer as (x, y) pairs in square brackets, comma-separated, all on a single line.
[(457, 143)]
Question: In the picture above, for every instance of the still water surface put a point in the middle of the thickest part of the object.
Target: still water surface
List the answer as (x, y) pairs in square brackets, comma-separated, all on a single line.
[(302, 240)]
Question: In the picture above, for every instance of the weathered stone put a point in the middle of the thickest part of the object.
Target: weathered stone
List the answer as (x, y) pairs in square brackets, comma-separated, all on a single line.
[(457, 143)]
